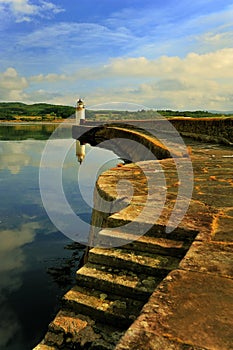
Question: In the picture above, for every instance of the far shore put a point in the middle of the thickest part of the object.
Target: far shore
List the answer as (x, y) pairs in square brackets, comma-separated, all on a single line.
[(38, 122)]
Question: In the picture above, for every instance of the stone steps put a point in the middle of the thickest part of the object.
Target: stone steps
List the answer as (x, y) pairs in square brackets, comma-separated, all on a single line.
[(108, 308), (120, 220), (108, 297), (122, 282), (142, 262), (144, 243), (111, 289)]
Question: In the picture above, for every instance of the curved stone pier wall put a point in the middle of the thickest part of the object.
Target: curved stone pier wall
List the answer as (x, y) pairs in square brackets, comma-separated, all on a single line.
[(218, 130)]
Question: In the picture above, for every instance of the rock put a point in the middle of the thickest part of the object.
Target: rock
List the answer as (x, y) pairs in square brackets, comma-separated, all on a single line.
[(103, 296)]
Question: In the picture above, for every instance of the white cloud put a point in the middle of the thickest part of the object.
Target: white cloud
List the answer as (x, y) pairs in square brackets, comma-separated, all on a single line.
[(213, 40), (20, 6), (51, 77), (12, 85), (194, 82), (79, 35), (23, 10), (215, 65), (197, 81), (42, 95)]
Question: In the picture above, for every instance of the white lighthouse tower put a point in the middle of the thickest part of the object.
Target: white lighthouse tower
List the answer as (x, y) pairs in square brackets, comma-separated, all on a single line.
[(80, 112)]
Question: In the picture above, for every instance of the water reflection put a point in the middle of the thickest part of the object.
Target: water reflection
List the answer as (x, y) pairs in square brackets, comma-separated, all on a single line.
[(29, 244), (15, 155), (35, 132), (11, 268), (80, 151)]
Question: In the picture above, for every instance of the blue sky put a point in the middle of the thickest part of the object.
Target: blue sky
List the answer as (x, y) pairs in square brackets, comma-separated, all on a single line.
[(160, 54)]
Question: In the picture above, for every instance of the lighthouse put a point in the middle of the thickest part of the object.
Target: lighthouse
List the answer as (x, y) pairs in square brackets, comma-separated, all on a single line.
[(80, 151), (80, 112)]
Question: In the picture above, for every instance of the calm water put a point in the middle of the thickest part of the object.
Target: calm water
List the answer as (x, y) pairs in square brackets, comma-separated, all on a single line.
[(37, 261)]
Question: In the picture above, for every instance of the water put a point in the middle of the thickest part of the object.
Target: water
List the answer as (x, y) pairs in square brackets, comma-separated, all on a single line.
[(38, 262)]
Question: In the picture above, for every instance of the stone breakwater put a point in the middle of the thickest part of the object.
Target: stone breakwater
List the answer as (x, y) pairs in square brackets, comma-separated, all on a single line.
[(158, 290), (217, 130)]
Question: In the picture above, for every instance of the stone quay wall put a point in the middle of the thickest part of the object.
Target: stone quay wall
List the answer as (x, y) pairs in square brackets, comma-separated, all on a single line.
[(219, 130)]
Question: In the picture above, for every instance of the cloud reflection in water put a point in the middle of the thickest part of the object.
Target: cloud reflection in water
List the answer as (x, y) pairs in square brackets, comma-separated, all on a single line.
[(11, 268)]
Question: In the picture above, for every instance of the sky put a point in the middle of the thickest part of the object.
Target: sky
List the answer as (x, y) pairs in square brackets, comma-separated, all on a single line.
[(159, 54)]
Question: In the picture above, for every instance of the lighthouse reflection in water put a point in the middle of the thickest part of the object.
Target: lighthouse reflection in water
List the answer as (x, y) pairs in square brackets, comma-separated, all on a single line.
[(80, 151)]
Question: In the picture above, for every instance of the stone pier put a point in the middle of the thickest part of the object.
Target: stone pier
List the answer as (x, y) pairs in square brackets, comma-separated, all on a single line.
[(153, 289)]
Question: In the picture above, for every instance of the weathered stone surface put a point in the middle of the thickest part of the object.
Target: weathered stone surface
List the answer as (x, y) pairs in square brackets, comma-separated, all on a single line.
[(135, 339), (122, 282), (74, 331), (126, 240), (193, 308), (108, 308), (213, 181), (215, 258), (223, 229), (44, 347), (68, 323), (142, 262), (69, 328)]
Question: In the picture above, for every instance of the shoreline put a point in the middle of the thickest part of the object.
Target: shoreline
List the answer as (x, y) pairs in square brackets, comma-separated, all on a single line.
[(15, 122)]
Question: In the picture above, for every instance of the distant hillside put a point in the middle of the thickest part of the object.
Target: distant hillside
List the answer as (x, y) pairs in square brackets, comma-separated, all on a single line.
[(44, 111), (149, 114), (18, 110), (193, 114), (222, 112)]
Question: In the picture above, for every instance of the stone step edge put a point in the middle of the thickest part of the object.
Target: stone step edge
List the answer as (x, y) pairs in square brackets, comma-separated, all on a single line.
[(109, 238), (102, 306), (142, 262), (124, 282), (155, 229)]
